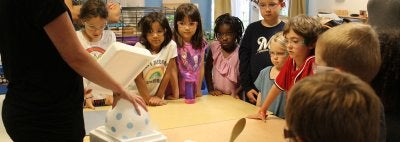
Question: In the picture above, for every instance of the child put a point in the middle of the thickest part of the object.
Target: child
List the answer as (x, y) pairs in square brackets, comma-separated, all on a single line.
[(265, 80), (255, 39), (188, 34), (156, 36), (93, 37), (356, 40), (340, 52), (301, 33), (95, 40), (222, 65), (330, 107), (113, 7)]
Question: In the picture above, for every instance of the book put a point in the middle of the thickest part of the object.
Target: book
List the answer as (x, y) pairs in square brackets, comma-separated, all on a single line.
[(123, 62)]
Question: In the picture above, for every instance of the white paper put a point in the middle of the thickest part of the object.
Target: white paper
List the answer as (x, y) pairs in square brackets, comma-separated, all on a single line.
[(94, 119), (330, 15), (123, 62)]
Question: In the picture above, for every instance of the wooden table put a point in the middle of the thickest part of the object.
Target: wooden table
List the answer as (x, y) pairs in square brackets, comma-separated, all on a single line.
[(211, 119)]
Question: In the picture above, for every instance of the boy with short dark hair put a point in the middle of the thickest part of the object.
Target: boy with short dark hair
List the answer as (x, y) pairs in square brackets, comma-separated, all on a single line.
[(332, 106)]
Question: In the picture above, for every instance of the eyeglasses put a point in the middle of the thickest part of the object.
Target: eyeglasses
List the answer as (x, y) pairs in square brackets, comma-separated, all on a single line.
[(94, 28), (318, 69), (227, 35), (269, 5), (188, 25), (294, 42), (277, 54), (288, 134), (153, 33)]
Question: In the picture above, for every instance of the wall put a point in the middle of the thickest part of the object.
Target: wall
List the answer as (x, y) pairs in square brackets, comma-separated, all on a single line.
[(204, 8), (153, 3), (353, 6)]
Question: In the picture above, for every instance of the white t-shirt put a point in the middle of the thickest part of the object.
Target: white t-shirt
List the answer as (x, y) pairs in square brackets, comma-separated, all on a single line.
[(154, 72), (97, 49)]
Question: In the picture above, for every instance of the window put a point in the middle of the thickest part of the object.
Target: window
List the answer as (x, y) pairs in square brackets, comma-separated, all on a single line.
[(285, 10), (247, 11)]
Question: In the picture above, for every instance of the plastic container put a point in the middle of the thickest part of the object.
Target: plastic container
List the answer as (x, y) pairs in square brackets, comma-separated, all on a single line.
[(190, 97)]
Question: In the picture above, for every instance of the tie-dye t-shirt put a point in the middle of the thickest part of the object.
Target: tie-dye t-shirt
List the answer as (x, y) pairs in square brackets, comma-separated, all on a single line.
[(189, 65)]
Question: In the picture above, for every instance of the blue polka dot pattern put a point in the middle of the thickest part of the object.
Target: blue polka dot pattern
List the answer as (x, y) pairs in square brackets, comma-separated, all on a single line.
[(138, 134), (119, 116), (113, 129), (129, 125), (124, 137), (146, 121)]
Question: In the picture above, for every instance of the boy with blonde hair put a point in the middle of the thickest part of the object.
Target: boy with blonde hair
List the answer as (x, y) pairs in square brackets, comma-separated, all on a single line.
[(301, 34), (356, 50)]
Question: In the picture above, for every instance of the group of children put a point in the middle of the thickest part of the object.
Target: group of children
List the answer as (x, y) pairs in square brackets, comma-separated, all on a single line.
[(271, 60), (179, 61)]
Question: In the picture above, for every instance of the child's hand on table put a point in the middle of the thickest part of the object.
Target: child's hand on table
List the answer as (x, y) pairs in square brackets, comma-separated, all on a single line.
[(156, 101), (261, 115), (215, 93)]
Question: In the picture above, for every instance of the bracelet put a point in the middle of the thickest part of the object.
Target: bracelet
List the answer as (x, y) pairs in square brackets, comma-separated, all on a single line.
[(88, 97)]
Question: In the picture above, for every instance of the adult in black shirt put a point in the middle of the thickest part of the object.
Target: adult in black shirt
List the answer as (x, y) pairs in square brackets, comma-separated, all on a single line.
[(384, 17), (43, 61)]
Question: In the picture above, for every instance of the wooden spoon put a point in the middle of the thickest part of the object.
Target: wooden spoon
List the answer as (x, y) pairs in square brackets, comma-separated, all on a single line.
[(237, 129)]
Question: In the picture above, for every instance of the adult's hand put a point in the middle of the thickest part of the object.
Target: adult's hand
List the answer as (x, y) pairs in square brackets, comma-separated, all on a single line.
[(136, 100), (114, 12)]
